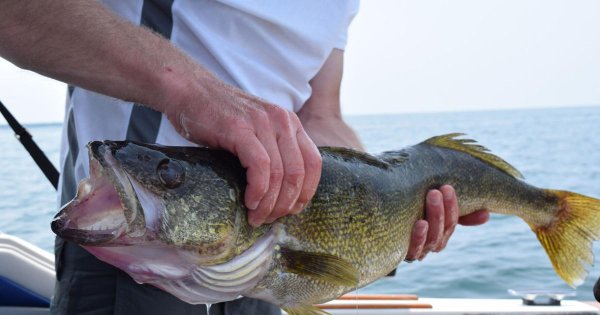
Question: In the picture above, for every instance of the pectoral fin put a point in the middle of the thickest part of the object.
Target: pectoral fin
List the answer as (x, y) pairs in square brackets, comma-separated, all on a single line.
[(321, 266)]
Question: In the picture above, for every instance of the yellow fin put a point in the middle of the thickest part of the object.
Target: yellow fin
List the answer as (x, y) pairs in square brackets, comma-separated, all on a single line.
[(305, 310), (321, 266), (468, 146), (568, 239)]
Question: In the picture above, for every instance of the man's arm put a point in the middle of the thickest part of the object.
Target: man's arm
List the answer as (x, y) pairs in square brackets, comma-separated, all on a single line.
[(321, 115), (322, 120), (84, 44)]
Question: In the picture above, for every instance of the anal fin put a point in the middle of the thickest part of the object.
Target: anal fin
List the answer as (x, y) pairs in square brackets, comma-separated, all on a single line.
[(320, 266)]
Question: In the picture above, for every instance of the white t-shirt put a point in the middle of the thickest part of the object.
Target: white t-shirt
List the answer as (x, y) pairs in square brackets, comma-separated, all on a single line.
[(269, 48)]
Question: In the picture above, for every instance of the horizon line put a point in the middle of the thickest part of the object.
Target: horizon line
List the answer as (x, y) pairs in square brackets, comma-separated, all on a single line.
[(3, 123)]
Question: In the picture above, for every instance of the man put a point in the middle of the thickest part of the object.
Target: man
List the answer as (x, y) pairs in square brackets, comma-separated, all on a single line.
[(260, 79)]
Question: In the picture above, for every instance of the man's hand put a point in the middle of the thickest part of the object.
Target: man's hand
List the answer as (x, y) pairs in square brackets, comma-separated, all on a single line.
[(283, 165), (441, 217)]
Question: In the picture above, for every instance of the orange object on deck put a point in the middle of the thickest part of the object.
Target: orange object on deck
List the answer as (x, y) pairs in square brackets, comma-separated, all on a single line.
[(362, 306), (374, 301), (378, 297)]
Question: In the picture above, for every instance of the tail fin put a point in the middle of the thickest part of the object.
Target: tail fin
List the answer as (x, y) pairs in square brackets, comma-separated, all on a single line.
[(568, 240)]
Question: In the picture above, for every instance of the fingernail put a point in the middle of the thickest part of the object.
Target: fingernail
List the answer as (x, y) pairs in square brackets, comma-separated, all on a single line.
[(434, 199), (254, 222), (448, 196), (252, 205), (424, 251), (421, 229), (410, 261), (300, 208), (442, 246), (419, 252)]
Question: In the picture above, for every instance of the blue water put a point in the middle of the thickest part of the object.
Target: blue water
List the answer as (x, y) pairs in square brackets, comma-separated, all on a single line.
[(554, 148)]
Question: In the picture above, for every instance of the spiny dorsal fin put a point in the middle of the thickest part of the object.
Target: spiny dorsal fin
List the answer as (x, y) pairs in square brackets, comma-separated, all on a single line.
[(468, 146), (320, 266)]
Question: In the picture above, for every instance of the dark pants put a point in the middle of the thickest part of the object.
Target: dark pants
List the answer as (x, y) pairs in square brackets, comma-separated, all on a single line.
[(88, 286)]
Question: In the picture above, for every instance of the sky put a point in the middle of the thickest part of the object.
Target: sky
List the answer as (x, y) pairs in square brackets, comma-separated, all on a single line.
[(429, 56)]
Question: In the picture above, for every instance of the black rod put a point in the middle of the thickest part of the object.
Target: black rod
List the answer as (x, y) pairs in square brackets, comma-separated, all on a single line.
[(27, 141)]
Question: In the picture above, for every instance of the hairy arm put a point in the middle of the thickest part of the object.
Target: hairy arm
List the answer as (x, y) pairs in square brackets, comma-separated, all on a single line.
[(84, 44), (322, 119)]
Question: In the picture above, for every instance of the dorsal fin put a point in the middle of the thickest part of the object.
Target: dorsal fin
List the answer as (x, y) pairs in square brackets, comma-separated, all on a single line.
[(468, 146)]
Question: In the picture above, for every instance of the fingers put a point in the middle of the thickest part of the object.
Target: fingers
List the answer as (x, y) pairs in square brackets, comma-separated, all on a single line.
[(302, 165), (475, 218), (312, 171), (434, 213), (417, 240), (292, 174), (293, 177), (441, 213), (253, 156), (451, 215), (265, 202)]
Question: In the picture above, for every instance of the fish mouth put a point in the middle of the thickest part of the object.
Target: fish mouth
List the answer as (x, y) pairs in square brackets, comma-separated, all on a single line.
[(105, 210)]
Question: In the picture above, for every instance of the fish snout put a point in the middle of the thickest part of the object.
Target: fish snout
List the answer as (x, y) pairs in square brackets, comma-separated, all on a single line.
[(59, 222), (67, 228)]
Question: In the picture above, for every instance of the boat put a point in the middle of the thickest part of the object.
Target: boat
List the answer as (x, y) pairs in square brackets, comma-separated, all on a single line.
[(26, 277), (27, 283)]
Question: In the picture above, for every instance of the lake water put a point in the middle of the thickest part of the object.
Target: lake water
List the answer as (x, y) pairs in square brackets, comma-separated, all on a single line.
[(553, 148)]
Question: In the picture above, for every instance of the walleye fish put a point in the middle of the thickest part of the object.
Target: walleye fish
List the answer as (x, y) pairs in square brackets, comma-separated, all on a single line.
[(174, 217)]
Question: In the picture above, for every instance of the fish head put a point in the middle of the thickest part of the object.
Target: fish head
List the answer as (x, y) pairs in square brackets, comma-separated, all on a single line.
[(140, 193)]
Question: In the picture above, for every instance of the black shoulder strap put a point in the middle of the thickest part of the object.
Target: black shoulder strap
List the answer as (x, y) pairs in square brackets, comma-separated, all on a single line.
[(36, 153)]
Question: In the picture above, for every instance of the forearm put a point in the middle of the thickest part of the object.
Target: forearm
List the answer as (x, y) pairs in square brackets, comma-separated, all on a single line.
[(321, 115), (83, 43)]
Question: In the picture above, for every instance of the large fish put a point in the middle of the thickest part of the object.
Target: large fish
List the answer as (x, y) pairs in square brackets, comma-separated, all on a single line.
[(174, 217)]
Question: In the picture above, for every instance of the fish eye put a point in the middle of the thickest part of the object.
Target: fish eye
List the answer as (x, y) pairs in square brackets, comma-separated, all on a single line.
[(170, 173)]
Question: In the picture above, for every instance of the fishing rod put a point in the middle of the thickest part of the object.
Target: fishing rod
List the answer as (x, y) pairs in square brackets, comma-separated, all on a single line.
[(34, 150)]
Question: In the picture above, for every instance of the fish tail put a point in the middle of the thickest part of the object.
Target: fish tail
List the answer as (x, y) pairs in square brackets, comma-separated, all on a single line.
[(568, 238)]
